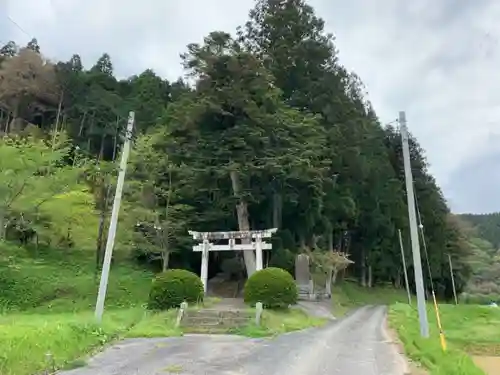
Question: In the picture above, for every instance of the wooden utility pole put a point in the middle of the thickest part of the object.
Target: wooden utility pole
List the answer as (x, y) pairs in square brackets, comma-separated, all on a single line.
[(453, 280), (404, 266), (415, 244), (101, 296)]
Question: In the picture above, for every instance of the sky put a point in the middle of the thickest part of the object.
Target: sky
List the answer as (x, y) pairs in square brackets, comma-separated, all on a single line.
[(439, 61)]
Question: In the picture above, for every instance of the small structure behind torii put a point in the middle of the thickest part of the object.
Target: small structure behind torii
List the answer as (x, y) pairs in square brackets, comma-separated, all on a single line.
[(206, 245)]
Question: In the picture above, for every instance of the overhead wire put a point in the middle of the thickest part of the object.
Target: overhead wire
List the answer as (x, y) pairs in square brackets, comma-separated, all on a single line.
[(424, 242), (442, 337)]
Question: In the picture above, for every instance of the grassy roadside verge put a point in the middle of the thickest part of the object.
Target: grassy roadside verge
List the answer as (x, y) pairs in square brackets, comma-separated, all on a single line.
[(349, 295), (27, 338), (470, 330), (46, 307), (32, 343), (277, 322), (464, 327)]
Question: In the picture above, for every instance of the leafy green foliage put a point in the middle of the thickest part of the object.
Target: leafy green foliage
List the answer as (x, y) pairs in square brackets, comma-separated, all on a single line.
[(274, 287), (41, 194), (485, 226), (49, 281), (465, 327), (173, 287), (66, 337), (271, 131)]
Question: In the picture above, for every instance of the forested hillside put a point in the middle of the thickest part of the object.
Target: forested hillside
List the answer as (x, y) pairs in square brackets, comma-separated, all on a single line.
[(270, 130), (484, 239), (486, 226)]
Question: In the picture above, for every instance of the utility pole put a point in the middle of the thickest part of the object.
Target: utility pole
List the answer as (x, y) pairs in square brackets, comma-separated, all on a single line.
[(453, 280), (101, 296), (417, 261), (404, 266)]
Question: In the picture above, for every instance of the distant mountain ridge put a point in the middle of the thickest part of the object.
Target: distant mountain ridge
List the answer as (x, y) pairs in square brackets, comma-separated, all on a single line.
[(483, 237), (486, 226)]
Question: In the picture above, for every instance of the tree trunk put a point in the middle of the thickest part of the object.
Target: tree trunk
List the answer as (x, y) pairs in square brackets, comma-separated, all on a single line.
[(363, 268), (101, 148), (165, 230), (82, 123), (164, 233), (330, 275), (15, 125), (89, 134), (397, 281), (314, 241), (102, 223), (330, 240), (334, 276), (243, 222), (302, 241), (7, 121), (328, 286), (277, 208), (370, 276), (99, 245), (339, 242), (165, 257)]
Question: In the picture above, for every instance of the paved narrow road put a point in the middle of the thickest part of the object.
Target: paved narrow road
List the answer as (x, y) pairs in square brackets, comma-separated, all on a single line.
[(354, 345)]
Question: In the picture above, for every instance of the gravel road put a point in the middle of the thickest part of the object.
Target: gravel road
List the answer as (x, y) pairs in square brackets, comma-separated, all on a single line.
[(353, 345)]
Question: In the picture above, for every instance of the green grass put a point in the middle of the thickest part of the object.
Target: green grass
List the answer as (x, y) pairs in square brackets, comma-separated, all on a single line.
[(155, 325), (467, 329), (32, 343), (276, 322), (47, 302), (46, 308), (348, 295), (64, 285)]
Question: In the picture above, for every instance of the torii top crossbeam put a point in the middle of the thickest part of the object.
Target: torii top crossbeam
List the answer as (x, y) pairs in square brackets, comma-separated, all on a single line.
[(266, 233)]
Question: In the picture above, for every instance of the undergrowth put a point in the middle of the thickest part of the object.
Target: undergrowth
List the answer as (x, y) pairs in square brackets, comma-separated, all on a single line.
[(467, 328), (348, 295), (47, 301)]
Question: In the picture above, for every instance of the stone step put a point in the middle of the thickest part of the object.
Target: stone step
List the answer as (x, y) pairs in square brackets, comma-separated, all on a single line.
[(216, 319), (218, 313), (225, 325), (210, 330)]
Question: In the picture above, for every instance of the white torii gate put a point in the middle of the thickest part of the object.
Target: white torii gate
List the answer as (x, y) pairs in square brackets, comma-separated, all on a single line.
[(256, 244)]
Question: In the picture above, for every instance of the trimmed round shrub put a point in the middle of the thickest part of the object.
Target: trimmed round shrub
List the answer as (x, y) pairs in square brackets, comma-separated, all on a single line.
[(274, 287), (173, 287)]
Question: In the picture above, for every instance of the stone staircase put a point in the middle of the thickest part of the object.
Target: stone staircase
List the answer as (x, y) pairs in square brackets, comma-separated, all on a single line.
[(215, 321)]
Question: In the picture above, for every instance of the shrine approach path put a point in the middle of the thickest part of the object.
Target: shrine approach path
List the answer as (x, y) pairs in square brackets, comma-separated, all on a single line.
[(355, 344)]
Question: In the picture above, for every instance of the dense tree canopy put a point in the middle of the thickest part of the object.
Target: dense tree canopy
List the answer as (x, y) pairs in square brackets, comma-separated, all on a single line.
[(272, 131), (486, 226)]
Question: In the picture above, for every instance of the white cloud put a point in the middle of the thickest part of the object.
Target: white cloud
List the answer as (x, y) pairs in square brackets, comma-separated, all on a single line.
[(439, 61)]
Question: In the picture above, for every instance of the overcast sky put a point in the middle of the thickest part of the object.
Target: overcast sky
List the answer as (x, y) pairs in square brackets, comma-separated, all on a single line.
[(437, 60)]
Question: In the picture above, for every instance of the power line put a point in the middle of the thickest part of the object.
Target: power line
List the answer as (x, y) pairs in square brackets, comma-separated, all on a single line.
[(436, 308), (424, 242), (18, 26)]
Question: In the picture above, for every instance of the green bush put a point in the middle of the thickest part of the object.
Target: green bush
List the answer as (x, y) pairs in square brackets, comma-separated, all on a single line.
[(479, 298), (174, 286), (19, 291), (274, 287)]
